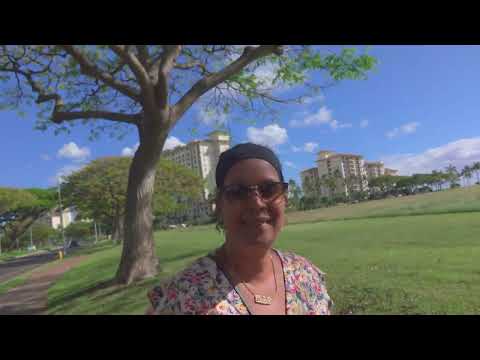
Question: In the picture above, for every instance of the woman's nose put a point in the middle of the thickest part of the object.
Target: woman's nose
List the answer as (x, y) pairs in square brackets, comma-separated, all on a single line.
[(255, 198)]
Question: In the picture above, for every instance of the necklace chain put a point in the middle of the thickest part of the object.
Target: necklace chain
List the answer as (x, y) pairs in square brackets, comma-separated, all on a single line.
[(274, 277), (262, 299)]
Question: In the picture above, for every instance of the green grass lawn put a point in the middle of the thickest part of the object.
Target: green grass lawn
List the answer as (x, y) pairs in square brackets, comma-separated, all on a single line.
[(14, 282), (447, 201), (399, 265), (23, 278), (12, 254), (6, 256)]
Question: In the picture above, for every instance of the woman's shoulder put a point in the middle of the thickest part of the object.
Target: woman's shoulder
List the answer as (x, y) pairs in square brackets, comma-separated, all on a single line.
[(182, 293), (307, 282)]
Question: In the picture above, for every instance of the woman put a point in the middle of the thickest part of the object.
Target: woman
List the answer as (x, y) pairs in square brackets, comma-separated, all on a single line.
[(246, 275)]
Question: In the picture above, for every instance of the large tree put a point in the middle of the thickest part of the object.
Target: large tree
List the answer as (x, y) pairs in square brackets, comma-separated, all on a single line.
[(20, 208), (99, 190), (151, 87)]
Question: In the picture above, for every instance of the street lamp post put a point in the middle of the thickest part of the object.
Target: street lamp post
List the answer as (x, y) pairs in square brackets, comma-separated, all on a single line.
[(96, 234), (61, 212)]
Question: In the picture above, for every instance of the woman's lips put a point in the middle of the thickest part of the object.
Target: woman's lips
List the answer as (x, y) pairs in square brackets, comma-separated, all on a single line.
[(257, 221)]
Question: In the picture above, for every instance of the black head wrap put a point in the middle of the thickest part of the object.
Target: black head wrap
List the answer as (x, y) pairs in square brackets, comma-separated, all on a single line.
[(242, 152)]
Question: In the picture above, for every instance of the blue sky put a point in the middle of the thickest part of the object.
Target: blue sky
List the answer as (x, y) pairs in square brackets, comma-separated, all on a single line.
[(418, 111)]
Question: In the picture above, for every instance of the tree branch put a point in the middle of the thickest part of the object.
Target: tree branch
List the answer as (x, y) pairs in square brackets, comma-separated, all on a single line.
[(250, 54), (140, 73), (61, 116), (143, 55), (169, 55), (134, 64), (90, 69), (36, 87), (191, 65)]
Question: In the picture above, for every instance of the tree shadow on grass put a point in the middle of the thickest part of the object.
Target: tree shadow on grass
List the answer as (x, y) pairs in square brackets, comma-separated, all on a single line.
[(91, 249), (64, 300)]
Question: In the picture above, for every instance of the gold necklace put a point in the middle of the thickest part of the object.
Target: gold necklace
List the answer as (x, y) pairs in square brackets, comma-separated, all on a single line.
[(263, 299)]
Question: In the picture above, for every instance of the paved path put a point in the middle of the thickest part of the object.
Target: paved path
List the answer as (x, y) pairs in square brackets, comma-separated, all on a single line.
[(31, 298), (12, 268)]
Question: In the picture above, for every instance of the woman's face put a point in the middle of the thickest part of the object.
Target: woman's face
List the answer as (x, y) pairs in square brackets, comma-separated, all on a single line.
[(252, 221)]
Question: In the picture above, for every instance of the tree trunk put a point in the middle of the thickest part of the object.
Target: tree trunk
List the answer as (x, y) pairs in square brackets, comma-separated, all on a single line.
[(118, 229), (138, 259)]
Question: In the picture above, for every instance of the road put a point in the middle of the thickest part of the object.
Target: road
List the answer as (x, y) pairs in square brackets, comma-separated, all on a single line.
[(12, 268)]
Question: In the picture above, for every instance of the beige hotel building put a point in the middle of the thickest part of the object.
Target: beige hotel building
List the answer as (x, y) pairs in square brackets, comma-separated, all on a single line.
[(202, 157), (354, 172)]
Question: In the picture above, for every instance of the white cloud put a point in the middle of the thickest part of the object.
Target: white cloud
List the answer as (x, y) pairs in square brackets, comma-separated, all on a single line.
[(130, 151), (212, 118), (45, 157), (172, 142), (271, 135), (336, 125), (307, 147), (310, 146), (72, 151), (323, 116), (408, 128), (290, 164), (392, 133), (458, 153), (63, 172), (266, 74), (314, 99), (363, 123)]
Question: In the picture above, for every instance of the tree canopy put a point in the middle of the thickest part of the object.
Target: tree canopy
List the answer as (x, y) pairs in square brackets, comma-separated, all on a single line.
[(20, 208), (150, 88), (99, 190)]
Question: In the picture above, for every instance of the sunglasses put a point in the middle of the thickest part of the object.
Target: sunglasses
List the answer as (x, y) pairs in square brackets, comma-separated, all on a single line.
[(268, 191)]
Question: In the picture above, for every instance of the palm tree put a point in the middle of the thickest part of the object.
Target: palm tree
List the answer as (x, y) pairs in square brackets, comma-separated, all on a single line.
[(438, 179), (467, 173), (463, 177), (338, 176), (452, 174), (476, 167), (331, 182)]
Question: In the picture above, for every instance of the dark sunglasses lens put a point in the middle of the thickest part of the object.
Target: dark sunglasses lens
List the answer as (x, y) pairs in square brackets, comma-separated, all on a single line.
[(267, 191), (236, 192), (271, 190)]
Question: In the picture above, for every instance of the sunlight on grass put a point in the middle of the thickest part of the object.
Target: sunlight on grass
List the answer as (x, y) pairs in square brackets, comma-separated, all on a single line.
[(390, 265)]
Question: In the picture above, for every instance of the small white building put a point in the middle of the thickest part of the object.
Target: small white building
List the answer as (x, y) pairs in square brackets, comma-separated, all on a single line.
[(69, 216)]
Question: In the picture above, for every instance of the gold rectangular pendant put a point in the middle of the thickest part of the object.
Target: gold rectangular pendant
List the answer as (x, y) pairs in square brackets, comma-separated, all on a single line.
[(264, 300)]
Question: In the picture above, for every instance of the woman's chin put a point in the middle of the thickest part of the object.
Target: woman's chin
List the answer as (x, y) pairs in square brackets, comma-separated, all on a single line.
[(260, 234)]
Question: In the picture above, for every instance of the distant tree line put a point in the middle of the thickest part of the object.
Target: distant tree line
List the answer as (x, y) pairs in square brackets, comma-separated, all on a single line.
[(378, 188), (98, 193)]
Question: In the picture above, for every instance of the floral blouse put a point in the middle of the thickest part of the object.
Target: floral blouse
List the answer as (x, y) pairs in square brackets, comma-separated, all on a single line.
[(203, 289)]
